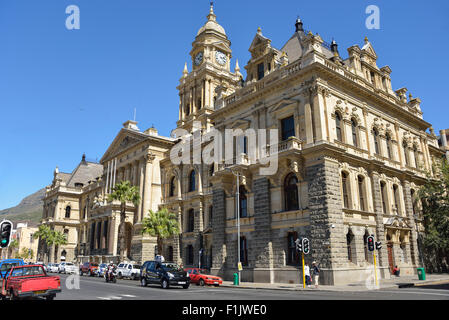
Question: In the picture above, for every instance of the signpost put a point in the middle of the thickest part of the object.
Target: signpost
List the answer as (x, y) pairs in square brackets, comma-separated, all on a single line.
[(303, 247)]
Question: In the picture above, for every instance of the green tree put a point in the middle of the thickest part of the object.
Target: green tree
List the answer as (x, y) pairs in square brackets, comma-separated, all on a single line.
[(434, 197), (161, 224), (124, 192), (12, 248), (51, 237)]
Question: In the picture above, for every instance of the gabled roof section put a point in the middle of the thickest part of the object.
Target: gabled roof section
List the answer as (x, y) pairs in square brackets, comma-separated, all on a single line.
[(368, 48), (125, 139), (85, 172)]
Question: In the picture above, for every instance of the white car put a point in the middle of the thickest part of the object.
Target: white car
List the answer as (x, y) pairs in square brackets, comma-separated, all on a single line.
[(128, 270), (53, 267), (67, 267)]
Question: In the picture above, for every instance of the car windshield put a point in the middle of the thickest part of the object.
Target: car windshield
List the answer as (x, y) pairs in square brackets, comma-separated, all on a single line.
[(202, 271), (171, 267), (103, 265), (56, 265), (94, 265), (69, 264), (8, 266), (28, 271)]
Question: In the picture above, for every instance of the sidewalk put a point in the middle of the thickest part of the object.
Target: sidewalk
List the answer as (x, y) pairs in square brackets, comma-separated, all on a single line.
[(401, 282)]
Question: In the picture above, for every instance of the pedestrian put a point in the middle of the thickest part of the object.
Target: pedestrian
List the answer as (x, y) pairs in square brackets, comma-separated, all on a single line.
[(307, 274), (396, 271), (315, 273)]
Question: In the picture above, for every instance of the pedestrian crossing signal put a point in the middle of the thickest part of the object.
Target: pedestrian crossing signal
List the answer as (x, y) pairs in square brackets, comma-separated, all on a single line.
[(298, 243)]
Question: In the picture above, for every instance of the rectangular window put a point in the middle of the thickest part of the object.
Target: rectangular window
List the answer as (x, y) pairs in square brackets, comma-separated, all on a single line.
[(287, 128), (260, 71), (292, 256)]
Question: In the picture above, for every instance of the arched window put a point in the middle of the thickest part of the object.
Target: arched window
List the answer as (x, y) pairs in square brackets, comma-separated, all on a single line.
[(192, 177), (349, 240), (172, 187), (415, 154), (338, 127), (361, 182), (388, 138), (187, 109), (211, 170), (243, 202), (406, 159), (190, 220), (376, 141), (354, 133), (396, 198), (68, 209), (383, 195), (199, 104), (291, 193), (344, 184)]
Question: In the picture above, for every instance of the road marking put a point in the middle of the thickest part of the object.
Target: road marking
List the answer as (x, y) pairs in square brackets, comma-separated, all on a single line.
[(417, 292), (128, 295)]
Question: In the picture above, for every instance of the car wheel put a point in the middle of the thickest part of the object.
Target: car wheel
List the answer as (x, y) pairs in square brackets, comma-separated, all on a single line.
[(202, 282), (216, 285), (186, 286), (143, 282), (164, 284), (119, 275), (49, 298)]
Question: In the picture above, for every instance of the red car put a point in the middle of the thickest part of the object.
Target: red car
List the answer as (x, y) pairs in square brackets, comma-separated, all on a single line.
[(200, 277), (89, 268), (29, 281)]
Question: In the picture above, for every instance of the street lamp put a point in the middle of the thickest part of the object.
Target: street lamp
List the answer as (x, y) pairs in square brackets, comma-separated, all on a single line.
[(237, 174)]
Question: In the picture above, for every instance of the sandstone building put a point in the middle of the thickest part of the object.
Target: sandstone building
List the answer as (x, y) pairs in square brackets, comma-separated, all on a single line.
[(352, 154)]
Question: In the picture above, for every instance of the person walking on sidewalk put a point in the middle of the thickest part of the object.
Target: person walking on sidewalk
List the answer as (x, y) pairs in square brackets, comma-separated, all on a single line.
[(307, 274), (315, 273)]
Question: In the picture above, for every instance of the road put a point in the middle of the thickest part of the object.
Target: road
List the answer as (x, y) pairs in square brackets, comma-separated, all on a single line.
[(93, 288)]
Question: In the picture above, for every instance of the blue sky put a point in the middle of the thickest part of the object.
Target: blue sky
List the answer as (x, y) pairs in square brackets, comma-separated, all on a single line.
[(65, 92)]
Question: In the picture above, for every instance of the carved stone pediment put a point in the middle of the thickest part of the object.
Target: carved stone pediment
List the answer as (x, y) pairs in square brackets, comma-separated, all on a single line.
[(123, 141), (279, 106), (396, 222)]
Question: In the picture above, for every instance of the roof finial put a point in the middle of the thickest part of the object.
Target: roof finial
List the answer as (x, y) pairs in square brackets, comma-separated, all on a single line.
[(211, 15), (259, 30), (185, 71), (237, 68), (366, 40), (299, 25)]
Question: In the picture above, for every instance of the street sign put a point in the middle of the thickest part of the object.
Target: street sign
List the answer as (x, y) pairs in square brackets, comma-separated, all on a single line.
[(306, 246), (5, 233), (240, 266), (298, 243), (370, 241)]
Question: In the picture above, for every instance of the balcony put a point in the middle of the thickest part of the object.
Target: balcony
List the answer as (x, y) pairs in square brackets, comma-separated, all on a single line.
[(291, 144)]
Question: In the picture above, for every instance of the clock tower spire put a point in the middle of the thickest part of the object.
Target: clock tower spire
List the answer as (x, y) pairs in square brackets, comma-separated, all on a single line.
[(211, 54)]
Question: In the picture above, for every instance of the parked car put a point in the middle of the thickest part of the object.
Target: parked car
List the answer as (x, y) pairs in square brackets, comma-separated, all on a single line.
[(41, 264), (165, 274), (201, 277), (7, 264), (67, 267), (101, 269), (53, 267), (29, 281), (128, 270), (89, 268)]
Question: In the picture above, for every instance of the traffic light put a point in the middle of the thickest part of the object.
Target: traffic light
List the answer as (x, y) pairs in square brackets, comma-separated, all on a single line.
[(298, 245), (5, 233), (306, 246), (378, 245), (370, 243)]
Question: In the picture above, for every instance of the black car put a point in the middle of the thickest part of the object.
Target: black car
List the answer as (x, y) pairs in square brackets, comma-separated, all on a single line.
[(165, 274)]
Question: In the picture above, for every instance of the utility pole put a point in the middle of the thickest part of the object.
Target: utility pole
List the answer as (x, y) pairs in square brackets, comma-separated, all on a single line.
[(237, 174)]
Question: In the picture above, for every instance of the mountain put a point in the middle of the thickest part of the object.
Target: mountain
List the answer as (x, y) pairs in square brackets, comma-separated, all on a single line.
[(28, 210)]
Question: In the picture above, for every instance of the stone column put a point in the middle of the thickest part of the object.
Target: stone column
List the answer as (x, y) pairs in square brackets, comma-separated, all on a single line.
[(382, 254), (141, 183), (308, 122), (414, 252), (148, 184), (262, 246), (328, 241)]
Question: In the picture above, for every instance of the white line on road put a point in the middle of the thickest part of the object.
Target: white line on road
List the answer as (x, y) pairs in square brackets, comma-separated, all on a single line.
[(416, 292)]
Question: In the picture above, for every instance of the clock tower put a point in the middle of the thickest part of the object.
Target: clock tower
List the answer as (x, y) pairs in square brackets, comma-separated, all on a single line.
[(211, 54)]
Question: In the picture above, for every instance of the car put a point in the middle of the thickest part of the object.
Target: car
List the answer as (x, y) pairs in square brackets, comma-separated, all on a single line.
[(201, 277), (67, 267), (165, 274), (7, 264), (89, 268), (53, 267), (101, 269), (40, 263), (128, 270), (29, 281)]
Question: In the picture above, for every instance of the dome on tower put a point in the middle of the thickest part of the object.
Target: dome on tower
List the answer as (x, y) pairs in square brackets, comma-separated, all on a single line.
[(211, 24)]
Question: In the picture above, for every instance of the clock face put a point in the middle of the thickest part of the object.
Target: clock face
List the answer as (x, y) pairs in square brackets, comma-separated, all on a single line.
[(221, 58), (198, 59)]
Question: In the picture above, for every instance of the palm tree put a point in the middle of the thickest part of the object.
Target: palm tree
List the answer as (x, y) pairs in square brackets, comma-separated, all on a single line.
[(51, 237), (161, 224), (12, 247), (124, 192)]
